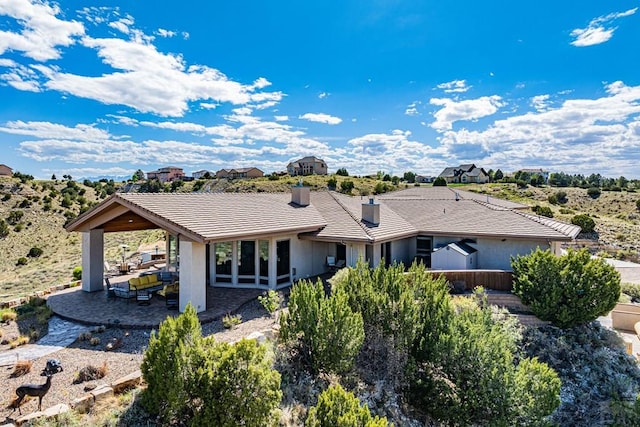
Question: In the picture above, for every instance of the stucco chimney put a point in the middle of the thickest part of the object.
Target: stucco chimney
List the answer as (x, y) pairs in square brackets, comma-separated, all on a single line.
[(300, 195), (371, 212)]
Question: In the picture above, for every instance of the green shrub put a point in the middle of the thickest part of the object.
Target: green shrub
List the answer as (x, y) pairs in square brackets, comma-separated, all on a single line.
[(6, 197), (537, 392), (440, 182), (567, 290), (166, 366), (469, 377), (337, 407), (230, 321), (638, 204), (4, 229), (593, 192), (346, 186), (585, 222), (198, 381), (543, 211), (35, 252), (15, 217), (22, 261), (270, 301), (324, 331), (77, 273), (235, 385)]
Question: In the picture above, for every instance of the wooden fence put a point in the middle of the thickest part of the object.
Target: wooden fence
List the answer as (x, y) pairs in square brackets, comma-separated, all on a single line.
[(497, 280)]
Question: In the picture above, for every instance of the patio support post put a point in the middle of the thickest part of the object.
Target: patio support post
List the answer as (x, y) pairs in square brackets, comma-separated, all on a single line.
[(92, 260), (193, 275)]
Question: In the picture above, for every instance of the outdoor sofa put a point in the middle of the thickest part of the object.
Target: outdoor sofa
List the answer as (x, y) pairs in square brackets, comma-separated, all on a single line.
[(150, 283)]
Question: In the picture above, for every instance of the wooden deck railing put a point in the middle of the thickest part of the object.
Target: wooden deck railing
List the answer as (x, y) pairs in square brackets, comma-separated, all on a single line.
[(498, 280)]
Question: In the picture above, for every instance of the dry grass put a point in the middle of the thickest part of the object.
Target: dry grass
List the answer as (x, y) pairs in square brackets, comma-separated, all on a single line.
[(91, 373), (22, 367)]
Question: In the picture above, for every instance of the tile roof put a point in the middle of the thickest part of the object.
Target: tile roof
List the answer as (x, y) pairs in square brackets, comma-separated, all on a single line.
[(344, 218), (219, 216), (330, 216), (472, 218)]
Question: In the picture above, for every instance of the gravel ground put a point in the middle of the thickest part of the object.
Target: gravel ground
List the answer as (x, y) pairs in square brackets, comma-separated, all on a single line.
[(119, 362)]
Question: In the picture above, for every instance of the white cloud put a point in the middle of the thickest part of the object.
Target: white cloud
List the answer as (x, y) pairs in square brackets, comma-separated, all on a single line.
[(20, 77), (323, 95), (166, 33), (42, 32), (599, 30), (471, 109), (321, 118), (579, 136), (123, 24), (539, 102), (208, 105), (412, 109), (454, 86), (281, 118), (150, 81), (395, 151), (49, 130)]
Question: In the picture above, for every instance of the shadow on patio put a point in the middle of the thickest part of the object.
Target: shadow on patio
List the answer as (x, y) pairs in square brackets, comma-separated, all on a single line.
[(96, 309)]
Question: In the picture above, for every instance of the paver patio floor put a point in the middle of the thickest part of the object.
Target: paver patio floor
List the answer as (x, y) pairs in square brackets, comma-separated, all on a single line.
[(94, 308)]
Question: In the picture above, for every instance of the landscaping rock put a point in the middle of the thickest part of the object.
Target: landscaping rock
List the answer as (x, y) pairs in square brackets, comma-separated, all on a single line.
[(104, 392), (83, 404), (127, 382)]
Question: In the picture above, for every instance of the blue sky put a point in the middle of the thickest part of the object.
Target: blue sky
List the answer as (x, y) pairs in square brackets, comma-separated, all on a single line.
[(104, 88)]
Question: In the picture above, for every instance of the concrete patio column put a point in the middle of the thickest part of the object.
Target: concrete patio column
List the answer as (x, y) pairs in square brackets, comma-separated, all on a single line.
[(193, 275), (92, 260)]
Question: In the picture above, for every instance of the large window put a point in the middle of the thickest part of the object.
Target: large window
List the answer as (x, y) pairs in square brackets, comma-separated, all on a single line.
[(247, 261), (263, 253), (284, 264), (224, 259), (424, 247)]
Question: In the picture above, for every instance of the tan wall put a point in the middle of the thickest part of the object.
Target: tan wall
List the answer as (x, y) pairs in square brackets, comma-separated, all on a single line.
[(5, 171)]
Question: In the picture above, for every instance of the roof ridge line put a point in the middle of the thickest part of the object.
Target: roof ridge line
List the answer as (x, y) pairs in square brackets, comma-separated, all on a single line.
[(371, 238), (543, 220)]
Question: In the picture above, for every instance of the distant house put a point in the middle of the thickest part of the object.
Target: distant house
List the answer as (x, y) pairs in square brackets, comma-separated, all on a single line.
[(309, 165), (167, 174), (5, 170), (464, 174), (200, 174), (422, 179), (239, 173), (544, 174)]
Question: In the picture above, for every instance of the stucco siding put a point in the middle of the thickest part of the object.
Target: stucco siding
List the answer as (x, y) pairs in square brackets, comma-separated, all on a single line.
[(404, 250), (495, 254)]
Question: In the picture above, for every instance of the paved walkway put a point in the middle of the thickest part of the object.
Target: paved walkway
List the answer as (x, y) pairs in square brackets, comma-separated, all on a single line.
[(61, 334), (96, 309), (629, 271)]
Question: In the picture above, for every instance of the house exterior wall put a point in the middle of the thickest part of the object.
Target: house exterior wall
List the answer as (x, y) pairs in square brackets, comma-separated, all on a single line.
[(355, 252), (404, 250), (5, 170), (496, 254)]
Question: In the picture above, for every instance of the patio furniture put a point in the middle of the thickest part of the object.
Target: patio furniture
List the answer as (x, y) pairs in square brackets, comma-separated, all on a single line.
[(149, 282), (168, 289), (172, 300), (143, 297)]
